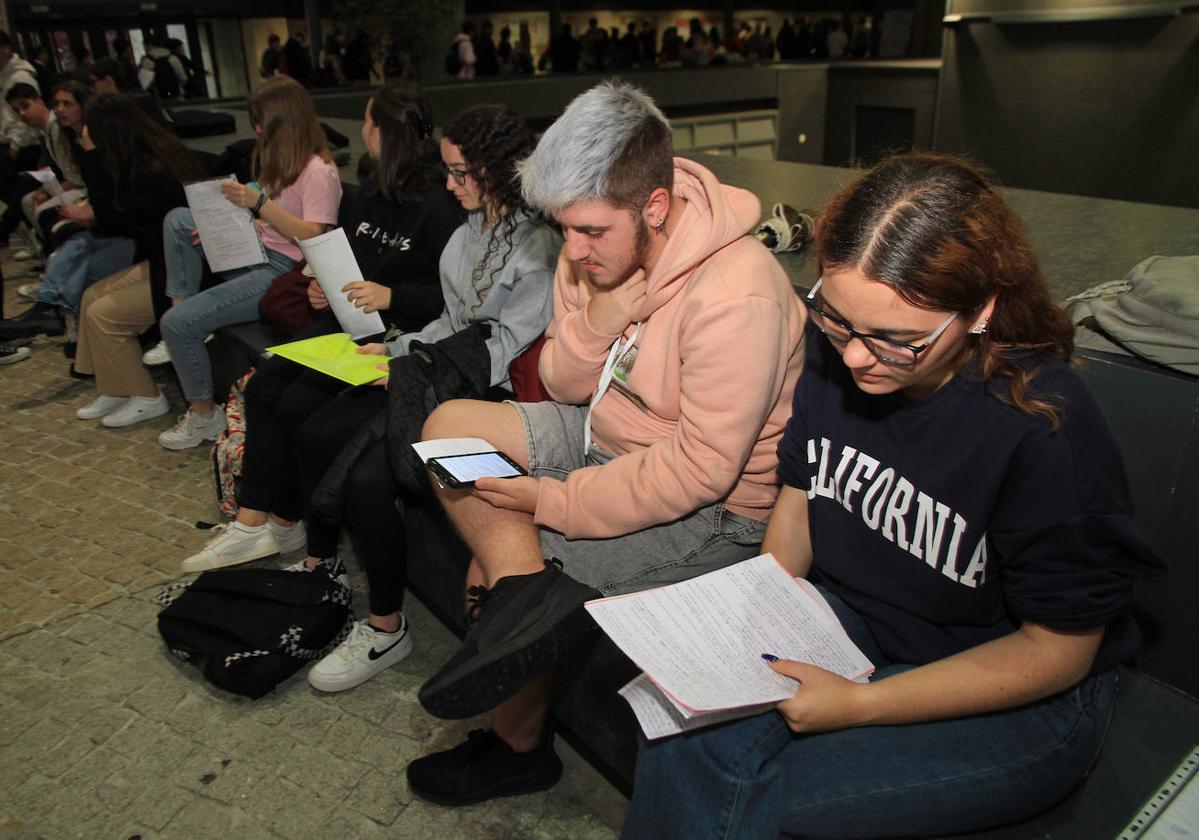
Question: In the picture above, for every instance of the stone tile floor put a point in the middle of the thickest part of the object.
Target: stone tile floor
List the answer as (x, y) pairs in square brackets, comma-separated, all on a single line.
[(105, 735)]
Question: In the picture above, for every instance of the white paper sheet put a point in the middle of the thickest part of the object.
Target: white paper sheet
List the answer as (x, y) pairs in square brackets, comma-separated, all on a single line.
[(660, 717), (333, 264), (444, 447), (227, 232), (48, 180), (701, 641)]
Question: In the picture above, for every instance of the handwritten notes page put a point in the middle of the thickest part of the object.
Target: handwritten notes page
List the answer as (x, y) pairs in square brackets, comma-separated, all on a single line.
[(700, 643), (333, 263), (227, 233)]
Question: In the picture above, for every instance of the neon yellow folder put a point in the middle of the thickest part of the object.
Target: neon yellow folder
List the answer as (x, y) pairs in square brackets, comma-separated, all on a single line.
[(335, 355)]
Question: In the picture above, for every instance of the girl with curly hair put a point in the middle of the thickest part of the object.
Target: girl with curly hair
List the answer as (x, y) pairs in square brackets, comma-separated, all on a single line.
[(496, 270)]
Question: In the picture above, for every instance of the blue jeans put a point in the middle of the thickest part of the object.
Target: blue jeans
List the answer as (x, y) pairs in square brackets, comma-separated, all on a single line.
[(234, 300), (79, 262), (755, 778)]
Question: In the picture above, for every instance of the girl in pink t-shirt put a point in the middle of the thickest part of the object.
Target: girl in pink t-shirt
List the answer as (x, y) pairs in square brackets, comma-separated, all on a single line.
[(298, 198)]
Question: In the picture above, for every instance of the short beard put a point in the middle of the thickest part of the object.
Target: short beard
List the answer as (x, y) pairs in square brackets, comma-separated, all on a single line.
[(641, 246)]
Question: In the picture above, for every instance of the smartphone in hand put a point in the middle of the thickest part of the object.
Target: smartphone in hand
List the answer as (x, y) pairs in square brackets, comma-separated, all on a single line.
[(459, 471)]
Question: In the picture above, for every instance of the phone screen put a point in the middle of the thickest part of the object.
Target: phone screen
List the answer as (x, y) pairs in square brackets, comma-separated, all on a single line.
[(467, 468)]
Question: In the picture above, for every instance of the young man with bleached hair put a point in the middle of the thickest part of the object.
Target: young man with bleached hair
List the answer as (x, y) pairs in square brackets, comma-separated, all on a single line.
[(671, 358)]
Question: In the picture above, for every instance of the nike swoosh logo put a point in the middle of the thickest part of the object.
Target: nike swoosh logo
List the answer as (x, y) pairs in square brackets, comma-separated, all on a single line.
[(373, 654)]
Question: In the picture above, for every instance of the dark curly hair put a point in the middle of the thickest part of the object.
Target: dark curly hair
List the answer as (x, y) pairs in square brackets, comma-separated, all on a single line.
[(493, 139)]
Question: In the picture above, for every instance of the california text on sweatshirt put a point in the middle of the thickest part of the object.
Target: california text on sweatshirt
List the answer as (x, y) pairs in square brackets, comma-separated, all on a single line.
[(705, 403)]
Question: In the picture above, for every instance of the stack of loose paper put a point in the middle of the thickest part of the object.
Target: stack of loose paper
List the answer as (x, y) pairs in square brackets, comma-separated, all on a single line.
[(335, 355), (445, 447), (58, 196), (227, 232), (333, 264), (700, 644)]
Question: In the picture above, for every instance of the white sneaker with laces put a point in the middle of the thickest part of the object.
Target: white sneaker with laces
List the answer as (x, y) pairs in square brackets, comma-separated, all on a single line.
[(193, 429), (29, 290), (233, 545), (364, 653), (157, 355), (290, 538), (99, 407), (136, 410), (24, 255)]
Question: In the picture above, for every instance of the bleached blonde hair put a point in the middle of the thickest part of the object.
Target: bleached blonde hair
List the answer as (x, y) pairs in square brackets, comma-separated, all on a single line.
[(612, 143)]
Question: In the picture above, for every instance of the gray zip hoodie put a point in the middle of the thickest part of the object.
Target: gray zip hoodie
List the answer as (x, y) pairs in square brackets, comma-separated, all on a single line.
[(517, 305)]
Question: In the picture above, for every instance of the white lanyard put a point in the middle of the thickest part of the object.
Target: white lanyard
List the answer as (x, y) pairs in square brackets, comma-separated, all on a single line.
[(619, 348)]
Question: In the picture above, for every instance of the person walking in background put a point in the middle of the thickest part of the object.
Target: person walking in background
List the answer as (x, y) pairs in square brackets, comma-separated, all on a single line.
[(269, 65)]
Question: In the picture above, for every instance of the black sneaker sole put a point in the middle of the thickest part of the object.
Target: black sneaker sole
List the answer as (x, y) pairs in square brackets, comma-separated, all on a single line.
[(481, 686), (509, 787)]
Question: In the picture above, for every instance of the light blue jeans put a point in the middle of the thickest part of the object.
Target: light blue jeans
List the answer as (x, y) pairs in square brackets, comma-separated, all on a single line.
[(234, 300), (79, 262), (755, 778)]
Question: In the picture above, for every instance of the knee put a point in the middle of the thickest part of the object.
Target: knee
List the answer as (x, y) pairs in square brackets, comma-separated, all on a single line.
[(178, 222), (453, 418), (171, 324)]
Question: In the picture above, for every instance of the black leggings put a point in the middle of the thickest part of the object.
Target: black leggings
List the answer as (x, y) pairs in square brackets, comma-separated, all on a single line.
[(297, 422), (369, 495)]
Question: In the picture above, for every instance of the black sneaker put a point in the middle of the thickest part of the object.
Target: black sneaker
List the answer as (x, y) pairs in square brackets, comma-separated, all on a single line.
[(39, 319), (528, 623), (482, 768)]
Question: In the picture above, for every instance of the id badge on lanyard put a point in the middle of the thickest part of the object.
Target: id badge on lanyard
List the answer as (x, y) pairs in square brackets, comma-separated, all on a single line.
[(620, 347)]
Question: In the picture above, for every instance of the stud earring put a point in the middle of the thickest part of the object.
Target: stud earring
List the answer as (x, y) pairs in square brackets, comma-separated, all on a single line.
[(660, 226), (980, 327)]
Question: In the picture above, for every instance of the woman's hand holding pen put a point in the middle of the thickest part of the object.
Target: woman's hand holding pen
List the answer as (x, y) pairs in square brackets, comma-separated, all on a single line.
[(367, 295), (376, 349), (824, 701)]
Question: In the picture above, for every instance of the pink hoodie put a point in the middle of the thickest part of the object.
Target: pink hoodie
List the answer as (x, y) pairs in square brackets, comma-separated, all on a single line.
[(719, 351)]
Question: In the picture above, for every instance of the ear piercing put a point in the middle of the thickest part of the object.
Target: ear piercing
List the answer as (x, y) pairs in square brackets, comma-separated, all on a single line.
[(980, 327), (660, 226)]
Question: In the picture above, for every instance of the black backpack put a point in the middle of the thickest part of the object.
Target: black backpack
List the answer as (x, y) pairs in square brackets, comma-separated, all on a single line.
[(250, 629), (453, 59)]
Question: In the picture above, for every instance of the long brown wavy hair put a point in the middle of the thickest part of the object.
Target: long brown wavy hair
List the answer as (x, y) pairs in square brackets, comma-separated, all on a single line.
[(290, 136), (934, 228)]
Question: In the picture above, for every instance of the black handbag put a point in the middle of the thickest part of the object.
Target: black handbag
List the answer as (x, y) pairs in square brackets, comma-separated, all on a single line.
[(250, 629)]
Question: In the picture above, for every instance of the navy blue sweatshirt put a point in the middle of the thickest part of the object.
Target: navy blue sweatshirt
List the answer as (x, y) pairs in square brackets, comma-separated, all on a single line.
[(948, 521)]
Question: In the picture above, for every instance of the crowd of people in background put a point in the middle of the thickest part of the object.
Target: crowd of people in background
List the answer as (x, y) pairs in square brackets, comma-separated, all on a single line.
[(475, 53)]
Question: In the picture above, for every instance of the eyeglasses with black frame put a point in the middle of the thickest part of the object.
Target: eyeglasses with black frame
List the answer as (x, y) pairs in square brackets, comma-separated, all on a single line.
[(886, 350), (459, 175)]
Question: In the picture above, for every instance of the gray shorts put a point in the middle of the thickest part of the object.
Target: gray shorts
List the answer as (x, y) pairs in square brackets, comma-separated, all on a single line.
[(708, 539)]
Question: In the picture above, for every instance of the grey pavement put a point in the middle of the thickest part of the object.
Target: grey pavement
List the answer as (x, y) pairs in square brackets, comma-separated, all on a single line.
[(106, 735)]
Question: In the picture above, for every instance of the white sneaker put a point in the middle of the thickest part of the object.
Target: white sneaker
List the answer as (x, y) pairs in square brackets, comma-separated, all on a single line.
[(233, 545), (24, 255), (336, 567), (29, 290), (157, 355), (137, 409), (364, 653), (290, 538), (99, 407), (193, 429)]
